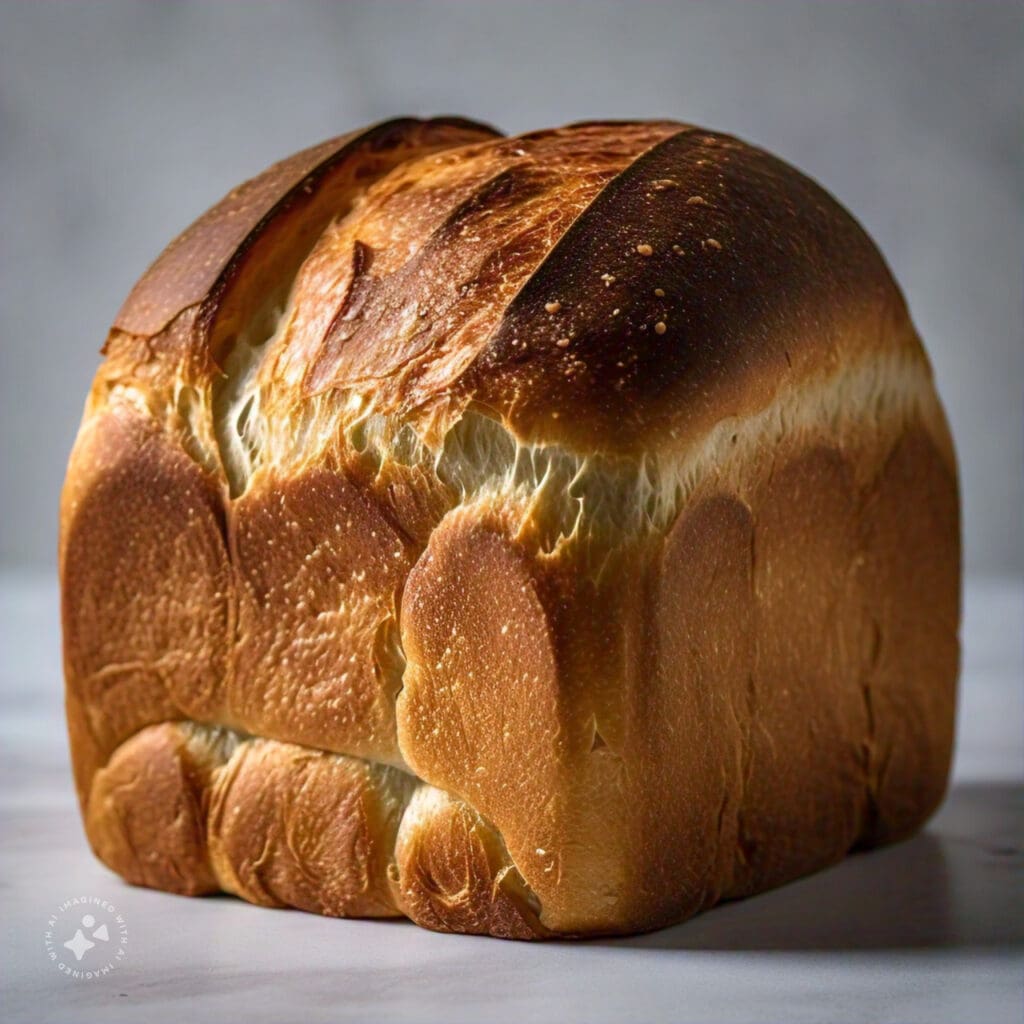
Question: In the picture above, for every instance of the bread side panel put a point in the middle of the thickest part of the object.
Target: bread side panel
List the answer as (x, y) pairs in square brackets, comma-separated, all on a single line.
[(806, 644), (690, 731), (909, 579), (716, 712)]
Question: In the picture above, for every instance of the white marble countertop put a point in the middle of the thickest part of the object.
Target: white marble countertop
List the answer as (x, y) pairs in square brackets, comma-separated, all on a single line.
[(929, 930)]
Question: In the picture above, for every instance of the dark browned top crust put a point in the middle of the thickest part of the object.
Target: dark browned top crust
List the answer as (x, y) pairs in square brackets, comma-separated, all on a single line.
[(701, 277), (652, 277), (435, 253), (285, 208)]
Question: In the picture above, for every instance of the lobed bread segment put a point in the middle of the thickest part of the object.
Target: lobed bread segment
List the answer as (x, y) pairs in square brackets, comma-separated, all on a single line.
[(275, 218), (511, 534), (294, 827), (319, 568), (146, 585), (453, 872), (196, 809), (194, 328), (147, 807)]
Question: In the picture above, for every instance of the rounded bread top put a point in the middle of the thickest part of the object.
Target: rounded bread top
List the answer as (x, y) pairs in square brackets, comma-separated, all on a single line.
[(606, 286)]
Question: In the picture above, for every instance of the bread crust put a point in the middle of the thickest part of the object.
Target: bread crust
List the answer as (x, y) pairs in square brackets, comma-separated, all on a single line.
[(511, 534)]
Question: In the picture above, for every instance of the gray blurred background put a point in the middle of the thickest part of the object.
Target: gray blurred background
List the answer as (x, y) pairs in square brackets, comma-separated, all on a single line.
[(120, 122)]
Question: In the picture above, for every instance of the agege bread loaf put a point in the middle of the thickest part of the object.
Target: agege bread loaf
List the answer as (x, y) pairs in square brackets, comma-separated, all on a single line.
[(550, 535)]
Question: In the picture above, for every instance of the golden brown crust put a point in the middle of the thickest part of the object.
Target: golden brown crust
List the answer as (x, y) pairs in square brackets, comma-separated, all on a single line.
[(145, 586), (206, 258), (146, 811), (291, 827), (909, 574), (318, 571), (452, 873), (512, 534)]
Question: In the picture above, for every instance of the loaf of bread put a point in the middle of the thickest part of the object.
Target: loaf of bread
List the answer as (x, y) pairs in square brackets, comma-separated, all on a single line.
[(537, 536)]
